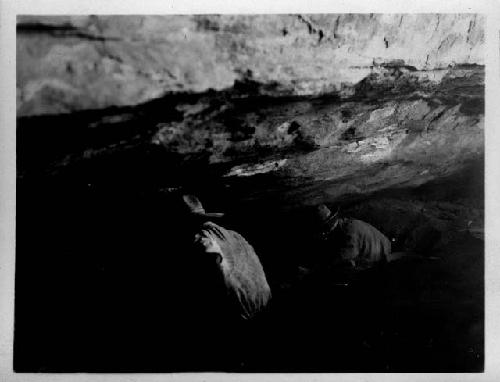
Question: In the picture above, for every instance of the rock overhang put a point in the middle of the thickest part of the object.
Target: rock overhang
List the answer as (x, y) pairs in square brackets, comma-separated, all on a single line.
[(313, 105)]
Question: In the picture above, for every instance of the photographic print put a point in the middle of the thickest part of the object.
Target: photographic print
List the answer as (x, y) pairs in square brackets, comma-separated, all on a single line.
[(293, 193)]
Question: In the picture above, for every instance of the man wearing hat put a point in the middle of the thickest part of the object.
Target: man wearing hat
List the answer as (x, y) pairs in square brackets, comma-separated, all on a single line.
[(237, 282), (353, 242), (224, 288)]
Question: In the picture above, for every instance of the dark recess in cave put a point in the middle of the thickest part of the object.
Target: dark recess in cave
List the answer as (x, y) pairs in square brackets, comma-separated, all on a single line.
[(102, 223)]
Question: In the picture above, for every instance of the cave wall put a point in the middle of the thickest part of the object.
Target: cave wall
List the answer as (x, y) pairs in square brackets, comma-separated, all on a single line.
[(69, 63), (292, 109)]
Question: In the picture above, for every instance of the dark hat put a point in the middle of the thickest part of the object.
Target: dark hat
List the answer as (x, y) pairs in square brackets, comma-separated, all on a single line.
[(195, 207), (324, 214)]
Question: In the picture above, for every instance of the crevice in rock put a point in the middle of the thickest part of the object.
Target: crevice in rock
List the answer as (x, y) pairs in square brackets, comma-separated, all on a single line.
[(336, 27), (471, 25), (311, 29), (437, 23), (294, 126), (435, 118), (204, 23), (60, 31)]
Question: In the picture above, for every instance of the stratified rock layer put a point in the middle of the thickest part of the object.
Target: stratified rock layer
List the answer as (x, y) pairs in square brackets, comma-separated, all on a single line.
[(301, 109), (404, 131), (68, 63)]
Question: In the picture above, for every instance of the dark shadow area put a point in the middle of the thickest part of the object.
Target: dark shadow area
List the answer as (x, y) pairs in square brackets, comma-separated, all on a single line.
[(106, 134), (59, 31), (104, 284)]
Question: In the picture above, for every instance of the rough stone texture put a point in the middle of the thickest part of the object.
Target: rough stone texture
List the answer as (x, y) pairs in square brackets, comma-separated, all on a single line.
[(68, 63), (303, 149), (304, 109)]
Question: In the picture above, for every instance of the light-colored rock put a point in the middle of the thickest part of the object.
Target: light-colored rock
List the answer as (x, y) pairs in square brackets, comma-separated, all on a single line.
[(383, 108), (68, 63), (259, 168)]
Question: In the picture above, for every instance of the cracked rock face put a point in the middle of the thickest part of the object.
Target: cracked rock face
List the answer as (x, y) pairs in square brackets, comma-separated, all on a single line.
[(304, 109), (69, 63)]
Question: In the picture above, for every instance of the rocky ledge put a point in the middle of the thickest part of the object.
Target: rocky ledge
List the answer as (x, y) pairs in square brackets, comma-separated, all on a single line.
[(285, 110), (399, 128)]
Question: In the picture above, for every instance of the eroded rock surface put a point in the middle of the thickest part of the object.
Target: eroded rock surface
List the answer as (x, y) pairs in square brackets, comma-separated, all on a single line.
[(68, 63), (300, 109), (311, 147)]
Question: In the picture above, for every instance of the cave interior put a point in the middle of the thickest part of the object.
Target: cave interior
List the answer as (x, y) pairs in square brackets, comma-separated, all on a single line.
[(99, 230)]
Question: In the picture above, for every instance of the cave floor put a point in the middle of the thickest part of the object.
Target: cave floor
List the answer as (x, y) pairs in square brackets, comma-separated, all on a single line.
[(414, 315), (92, 294)]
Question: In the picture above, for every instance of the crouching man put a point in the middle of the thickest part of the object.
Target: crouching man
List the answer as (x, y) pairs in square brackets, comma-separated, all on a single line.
[(227, 291), (354, 243), (231, 261), (224, 289)]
